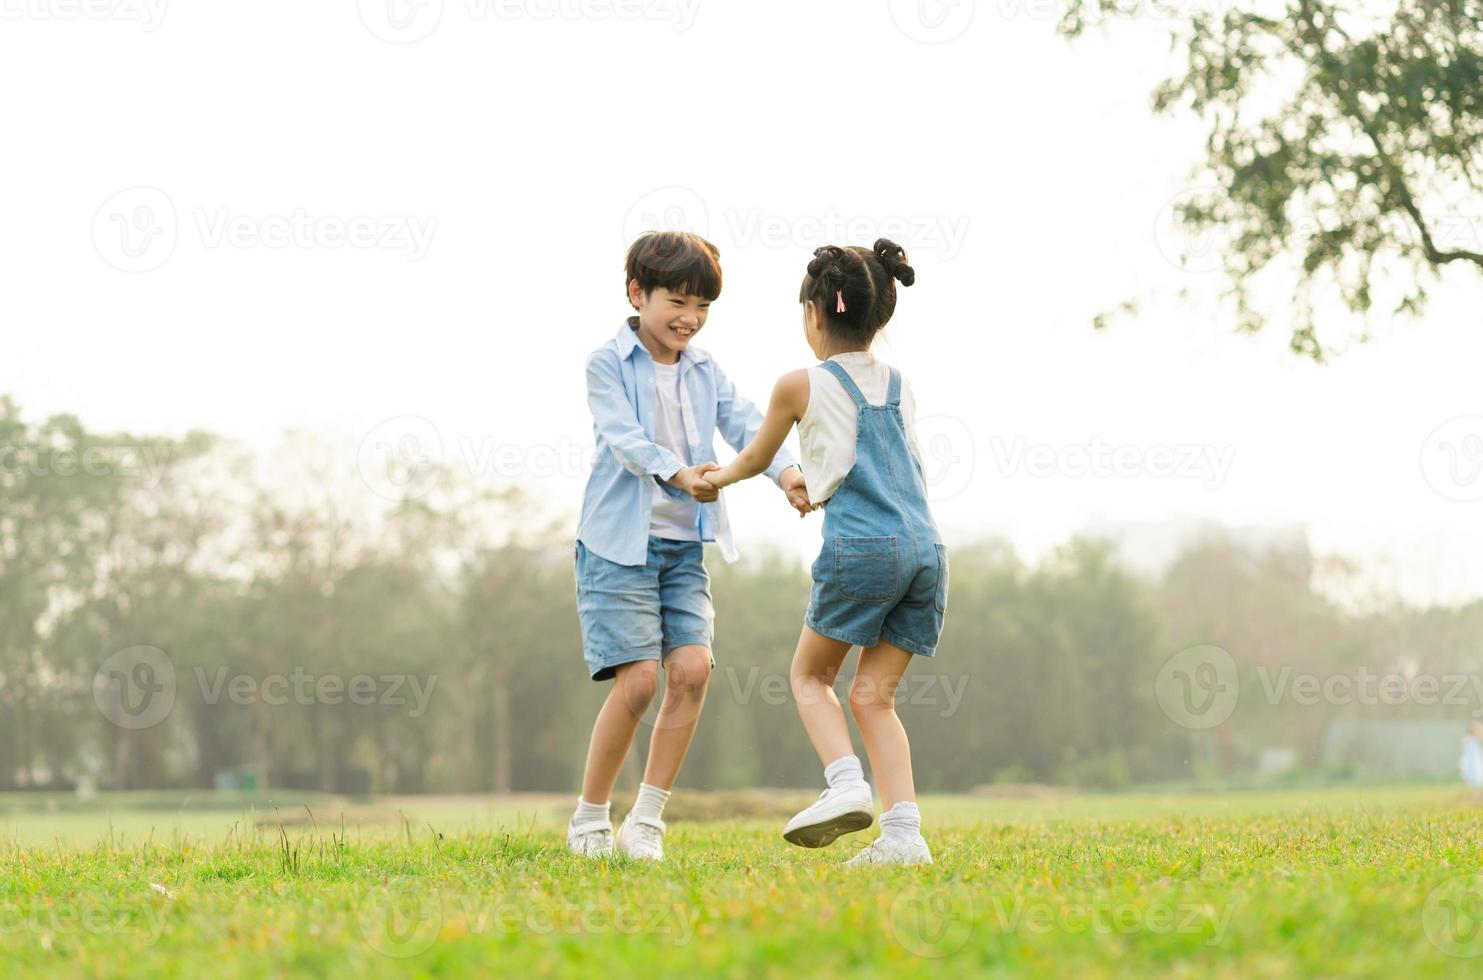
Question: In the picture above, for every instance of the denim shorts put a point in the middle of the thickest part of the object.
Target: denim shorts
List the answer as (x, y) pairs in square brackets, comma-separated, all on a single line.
[(876, 588), (642, 612)]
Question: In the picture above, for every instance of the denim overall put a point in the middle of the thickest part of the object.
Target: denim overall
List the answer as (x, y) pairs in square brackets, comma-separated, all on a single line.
[(882, 573)]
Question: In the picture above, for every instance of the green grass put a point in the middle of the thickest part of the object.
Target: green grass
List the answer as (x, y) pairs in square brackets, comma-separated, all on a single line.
[(1333, 883)]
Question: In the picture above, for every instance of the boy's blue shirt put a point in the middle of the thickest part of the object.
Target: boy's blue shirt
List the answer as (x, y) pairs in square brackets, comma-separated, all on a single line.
[(620, 391)]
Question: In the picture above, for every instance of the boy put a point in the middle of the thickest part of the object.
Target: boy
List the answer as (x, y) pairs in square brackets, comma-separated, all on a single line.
[(643, 594)]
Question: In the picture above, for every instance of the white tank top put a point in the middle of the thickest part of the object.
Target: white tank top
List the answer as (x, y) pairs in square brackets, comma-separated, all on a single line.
[(826, 433)]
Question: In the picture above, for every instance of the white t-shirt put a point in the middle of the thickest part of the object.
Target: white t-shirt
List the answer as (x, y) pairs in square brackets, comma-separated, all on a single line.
[(828, 429), (677, 520)]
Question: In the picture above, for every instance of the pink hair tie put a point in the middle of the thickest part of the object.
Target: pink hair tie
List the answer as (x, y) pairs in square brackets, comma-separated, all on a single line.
[(839, 295)]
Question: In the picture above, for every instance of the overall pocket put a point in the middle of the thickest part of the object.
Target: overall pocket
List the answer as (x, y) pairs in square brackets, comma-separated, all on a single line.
[(941, 599), (866, 569)]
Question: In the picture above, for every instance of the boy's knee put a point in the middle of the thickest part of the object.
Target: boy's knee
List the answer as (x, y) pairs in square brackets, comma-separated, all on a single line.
[(687, 670), (636, 684)]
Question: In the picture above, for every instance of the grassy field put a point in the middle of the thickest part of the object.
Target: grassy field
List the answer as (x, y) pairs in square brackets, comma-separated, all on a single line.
[(1332, 883)]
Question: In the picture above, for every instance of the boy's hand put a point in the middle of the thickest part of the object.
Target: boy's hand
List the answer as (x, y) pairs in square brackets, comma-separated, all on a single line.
[(797, 491), (692, 480)]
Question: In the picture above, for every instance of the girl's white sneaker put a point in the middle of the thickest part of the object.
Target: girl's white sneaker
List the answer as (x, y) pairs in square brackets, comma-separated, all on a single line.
[(593, 839), (642, 838), (893, 850), (838, 810)]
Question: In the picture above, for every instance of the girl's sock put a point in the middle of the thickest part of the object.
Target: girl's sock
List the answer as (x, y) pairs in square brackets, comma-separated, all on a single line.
[(844, 771), (650, 802), (902, 822), (590, 812)]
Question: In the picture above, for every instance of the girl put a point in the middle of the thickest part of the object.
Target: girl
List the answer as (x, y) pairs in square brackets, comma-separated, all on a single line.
[(880, 581)]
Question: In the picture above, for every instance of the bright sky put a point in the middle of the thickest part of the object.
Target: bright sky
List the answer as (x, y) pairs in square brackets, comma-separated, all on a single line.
[(254, 218)]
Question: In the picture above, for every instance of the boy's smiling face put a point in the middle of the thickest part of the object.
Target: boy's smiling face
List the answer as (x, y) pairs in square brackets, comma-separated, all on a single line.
[(668, 320)]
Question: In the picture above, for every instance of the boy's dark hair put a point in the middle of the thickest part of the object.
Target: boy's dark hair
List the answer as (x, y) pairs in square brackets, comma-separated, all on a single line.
[(679, 261), (865, 278)]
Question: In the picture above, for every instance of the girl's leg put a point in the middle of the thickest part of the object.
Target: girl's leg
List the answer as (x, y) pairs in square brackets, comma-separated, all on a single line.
[(687, 671), (816, 664), (873, 702), (612, 735)]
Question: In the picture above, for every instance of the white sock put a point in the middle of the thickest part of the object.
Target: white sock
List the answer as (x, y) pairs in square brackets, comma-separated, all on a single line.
[(590, 812), (844, 771), (650, 802), (902, 822)]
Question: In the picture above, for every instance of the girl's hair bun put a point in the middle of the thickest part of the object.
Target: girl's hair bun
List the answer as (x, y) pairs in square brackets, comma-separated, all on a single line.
[(893, 257)]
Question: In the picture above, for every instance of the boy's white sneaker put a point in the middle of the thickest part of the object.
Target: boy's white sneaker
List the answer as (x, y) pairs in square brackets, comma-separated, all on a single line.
[(893, 850), (592, 839), (642, 838), (838, 810)]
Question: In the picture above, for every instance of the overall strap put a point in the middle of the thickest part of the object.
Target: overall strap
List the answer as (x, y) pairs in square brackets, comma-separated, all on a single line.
[(849, 383), (893, 394)]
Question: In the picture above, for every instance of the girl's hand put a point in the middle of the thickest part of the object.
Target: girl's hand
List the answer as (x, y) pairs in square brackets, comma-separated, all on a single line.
[(721, 477)]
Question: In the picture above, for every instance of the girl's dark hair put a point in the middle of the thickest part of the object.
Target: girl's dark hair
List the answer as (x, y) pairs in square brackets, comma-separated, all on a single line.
[(677, 260), (866, 279)]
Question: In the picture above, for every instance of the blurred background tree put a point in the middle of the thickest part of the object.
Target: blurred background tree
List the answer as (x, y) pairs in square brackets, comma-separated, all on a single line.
[(1343, 150)]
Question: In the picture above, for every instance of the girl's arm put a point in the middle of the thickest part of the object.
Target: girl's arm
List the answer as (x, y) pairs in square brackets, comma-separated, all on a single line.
[(789, 402)]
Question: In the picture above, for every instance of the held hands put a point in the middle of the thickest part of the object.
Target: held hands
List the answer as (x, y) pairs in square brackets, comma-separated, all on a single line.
[(704, 482), (797, 491), (692, 480)]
